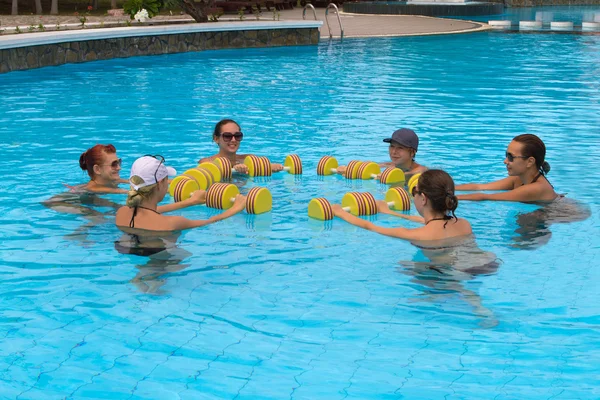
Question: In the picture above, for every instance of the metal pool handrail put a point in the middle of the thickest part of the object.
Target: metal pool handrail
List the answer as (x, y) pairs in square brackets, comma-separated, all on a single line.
[(337, 12), (313, 10)]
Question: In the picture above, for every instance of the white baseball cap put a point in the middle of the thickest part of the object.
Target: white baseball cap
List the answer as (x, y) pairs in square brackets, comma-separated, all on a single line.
[(151, 169)]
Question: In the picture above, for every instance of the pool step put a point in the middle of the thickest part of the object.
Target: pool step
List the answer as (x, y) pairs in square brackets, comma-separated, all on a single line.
[(552, 26)]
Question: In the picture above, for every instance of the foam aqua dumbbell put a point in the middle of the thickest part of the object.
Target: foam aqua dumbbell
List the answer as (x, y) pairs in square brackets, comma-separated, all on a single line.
[(203, 176), (412, 182), (293, 164), (359, 204), (191, 180), (328, 166), (182, 187), (225, 167), (214, 169), (354, 203), (398, 199), (222, 196), (258, 166), (392, 175), (371, 170)]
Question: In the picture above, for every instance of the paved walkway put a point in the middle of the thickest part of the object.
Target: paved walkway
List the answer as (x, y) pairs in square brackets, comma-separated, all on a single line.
[(355, 25), (367, 25)]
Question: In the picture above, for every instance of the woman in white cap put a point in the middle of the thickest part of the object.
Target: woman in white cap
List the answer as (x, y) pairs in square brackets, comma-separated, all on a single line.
[(404, 144), (149, 185)]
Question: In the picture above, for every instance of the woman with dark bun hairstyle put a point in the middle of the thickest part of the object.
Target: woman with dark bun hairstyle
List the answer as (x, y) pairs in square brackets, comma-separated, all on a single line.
[(526, 181), (103, 166), (436, 203)]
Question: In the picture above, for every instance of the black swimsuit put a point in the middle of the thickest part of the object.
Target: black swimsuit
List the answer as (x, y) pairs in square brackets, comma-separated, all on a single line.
[(131, 223), (444, 218)]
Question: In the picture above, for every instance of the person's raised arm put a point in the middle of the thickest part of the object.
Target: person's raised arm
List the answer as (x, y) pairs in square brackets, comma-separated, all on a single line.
[(197, 197), (525, 193), (108, 190), (181, 223), (400, 233), (507, 183), (383, 208)]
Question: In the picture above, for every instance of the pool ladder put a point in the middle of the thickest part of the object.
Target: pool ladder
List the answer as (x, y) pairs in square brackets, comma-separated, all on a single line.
[(337, 13)]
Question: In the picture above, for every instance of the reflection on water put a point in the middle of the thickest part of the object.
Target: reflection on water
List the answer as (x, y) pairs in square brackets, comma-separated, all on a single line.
[(163, 256), (442, 269), (82, 204), (533, 228)]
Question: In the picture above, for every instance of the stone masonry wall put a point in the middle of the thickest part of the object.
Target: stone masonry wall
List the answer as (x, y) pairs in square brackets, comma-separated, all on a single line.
[(74, 52)]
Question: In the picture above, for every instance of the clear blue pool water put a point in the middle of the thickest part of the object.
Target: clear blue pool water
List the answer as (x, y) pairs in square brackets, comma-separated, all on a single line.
[(277, 306)]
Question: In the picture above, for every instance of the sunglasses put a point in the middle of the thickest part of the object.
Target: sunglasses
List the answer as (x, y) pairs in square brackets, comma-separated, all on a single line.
[(511, 158), (415, 192), (162, 161), (227, 136), (116, 164)]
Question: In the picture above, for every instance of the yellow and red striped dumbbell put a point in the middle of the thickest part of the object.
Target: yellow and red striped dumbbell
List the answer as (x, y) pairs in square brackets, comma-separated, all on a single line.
[(191, 180), (359, 204), (222, 196), (223, 168), (412, 182), (261, 166), (361, 170)]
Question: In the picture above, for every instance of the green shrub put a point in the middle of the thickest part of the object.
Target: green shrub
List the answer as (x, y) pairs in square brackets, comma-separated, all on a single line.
[(131, 7)]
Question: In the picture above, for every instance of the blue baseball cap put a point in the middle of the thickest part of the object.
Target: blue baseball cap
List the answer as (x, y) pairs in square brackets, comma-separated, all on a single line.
[(404, 137)]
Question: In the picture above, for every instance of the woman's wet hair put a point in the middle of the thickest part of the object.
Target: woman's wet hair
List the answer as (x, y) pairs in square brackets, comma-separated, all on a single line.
[(93, 156), (438, 186), (220, 124), (135, 197), (534, 147)]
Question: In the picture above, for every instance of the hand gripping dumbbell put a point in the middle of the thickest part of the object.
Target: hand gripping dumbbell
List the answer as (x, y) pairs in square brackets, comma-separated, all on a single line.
[(261, 166), (222, 196), (359, 204), (361, 170)]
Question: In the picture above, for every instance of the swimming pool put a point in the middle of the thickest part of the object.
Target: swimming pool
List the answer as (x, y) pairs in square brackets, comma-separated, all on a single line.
[(276, 306), (576, 14)]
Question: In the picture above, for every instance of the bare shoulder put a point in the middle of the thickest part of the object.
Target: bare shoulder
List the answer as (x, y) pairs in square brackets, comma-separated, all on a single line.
[(207, 159), (123, 215), (463, 226), (419, 169)]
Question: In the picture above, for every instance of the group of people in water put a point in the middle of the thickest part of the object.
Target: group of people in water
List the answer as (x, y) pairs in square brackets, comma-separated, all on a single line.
[(434, 195)]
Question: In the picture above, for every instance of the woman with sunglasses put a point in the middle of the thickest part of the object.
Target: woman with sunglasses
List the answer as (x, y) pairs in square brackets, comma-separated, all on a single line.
[(526, 181), (149, 185), (228, 136), (103, 167), (436, 203)]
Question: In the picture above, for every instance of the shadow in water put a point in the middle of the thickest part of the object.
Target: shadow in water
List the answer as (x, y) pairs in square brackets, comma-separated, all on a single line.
[(83, 204), (534, 227), (443, 269), (162, 254)]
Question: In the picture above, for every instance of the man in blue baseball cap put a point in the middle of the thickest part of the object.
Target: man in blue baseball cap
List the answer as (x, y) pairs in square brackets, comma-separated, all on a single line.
[(404, 144)]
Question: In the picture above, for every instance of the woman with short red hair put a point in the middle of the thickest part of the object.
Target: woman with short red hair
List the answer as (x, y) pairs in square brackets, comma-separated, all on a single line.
[(103, 167)]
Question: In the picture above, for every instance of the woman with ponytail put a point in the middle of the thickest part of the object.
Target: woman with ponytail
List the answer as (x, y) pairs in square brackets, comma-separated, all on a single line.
[(149, 185), (526, 181), (436, 203)]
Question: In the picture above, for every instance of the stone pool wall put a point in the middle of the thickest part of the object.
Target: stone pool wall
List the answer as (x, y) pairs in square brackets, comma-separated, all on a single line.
[(68, 47)]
